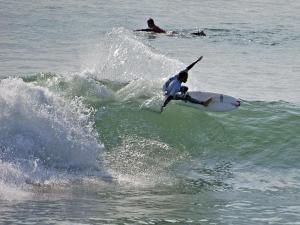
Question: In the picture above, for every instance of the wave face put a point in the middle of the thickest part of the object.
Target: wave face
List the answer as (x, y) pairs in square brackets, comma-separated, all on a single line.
[(57, 129)]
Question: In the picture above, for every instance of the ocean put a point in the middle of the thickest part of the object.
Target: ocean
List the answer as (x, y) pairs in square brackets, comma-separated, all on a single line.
[(81, 139)]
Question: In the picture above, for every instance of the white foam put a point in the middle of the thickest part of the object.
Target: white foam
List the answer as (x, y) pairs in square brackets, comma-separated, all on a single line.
[(42, 132), (121, 56), (142, 162), (11, 181)]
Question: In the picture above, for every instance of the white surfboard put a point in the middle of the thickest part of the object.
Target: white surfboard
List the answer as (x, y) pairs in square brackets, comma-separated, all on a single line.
[(219, 103)]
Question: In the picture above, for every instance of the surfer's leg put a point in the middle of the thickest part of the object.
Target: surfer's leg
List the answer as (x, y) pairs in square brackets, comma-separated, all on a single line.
[(182, 95), (184, 89), (206, 103), (192, 100), (179, 97), (186, 97)]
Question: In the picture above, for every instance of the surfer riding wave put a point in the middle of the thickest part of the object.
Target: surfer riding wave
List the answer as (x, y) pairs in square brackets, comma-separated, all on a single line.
[(173, 90)]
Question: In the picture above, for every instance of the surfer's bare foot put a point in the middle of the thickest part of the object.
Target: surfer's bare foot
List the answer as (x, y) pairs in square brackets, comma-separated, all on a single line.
[(206, 103)]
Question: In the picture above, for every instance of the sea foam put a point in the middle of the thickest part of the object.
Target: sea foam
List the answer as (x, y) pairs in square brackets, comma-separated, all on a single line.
[(41, 132)]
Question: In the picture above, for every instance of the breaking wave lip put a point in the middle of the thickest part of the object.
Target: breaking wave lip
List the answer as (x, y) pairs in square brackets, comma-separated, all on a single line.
[(122, 56), (44, 136)]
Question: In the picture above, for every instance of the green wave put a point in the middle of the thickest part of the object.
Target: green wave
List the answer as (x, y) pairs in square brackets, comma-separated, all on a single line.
[(263, 133)]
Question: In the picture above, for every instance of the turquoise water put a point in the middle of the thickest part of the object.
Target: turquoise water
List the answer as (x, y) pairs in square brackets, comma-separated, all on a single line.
[(81, 139)]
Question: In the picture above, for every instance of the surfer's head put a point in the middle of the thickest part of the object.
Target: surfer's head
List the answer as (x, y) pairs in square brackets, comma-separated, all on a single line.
[(183, 76), (150, 22)]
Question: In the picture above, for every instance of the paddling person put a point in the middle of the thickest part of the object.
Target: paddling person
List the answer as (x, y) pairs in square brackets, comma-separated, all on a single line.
[(152, 27), (173, 90), (156, 29)]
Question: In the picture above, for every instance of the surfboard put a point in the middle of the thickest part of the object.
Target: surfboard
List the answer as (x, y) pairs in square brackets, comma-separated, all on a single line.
[(219, 103)]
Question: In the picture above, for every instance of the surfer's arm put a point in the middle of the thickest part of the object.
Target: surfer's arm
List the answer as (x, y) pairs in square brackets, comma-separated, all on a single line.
[(147, 30), (191, 66), (171, 93), (157, 29), (167, 100)]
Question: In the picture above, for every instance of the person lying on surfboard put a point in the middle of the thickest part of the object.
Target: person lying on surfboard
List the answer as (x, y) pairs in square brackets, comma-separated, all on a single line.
[(152, 27), (156, 29), (173, 90)]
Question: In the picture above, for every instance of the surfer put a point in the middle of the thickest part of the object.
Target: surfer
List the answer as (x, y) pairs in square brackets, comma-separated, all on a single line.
[(173, 90), (156, 29), (152, 27)]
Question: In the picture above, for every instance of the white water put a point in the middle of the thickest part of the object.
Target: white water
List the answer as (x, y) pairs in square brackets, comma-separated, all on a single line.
[(42, 135)]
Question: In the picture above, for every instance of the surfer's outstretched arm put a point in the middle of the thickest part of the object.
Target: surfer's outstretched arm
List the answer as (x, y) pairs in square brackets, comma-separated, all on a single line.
[(147, 30), (191, 66), (167, 100)]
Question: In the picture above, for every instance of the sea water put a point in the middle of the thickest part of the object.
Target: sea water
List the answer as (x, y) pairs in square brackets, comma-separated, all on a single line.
[(81, 139)]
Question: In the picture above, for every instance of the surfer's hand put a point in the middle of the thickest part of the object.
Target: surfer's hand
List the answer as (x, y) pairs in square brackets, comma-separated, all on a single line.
[(161, 109), (199, 58)]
